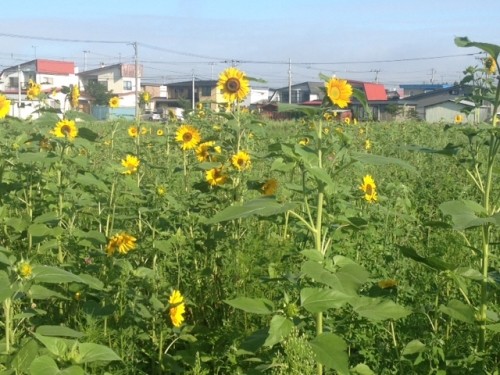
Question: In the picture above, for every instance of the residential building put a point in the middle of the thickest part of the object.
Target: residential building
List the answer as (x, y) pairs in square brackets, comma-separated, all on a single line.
[(51, 75), (119, 79), (416, 89)]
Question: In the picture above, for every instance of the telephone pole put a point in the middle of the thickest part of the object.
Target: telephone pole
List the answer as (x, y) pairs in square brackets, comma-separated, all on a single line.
[(289, 81)]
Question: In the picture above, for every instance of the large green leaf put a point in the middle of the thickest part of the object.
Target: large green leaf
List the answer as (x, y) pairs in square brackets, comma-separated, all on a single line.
[(266, 206), (432, 262), (252, 305), (491, 49), (25, 357), (459, 311), (5, 289), (413, 347), (330, 350), (45, 365), (54, 275), (464, 214), (57, 346), (317, 300), (279, 329), (89, 179), (377, 309), (90, 352), (58, 331), (40, 292)]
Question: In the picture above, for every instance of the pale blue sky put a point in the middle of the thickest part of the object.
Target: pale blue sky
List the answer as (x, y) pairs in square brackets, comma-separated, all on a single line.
[(356, 39)]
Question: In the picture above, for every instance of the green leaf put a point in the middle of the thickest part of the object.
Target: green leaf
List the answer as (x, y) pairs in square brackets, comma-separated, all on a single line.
[(57, 346), (279, 329), (320, 175), (45, 365), (494, 327), (413, 347), (39, 230), (54, 275), (459, 311), (25, 356), (252, 305), (492, 49), (330, 350), (432, 262), (361, 97), (40, 292), (377, 309), (449, 149), (90, 352), (89, 179), (58, 331), (5, 290), (362, 369), (316, 300), (261, 206), (463, 214)]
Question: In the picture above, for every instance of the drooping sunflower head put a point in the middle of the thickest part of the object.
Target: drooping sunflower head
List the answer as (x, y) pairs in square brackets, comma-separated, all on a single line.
[(269, 187), (458, 118), (215, 177), (4, 106), (75, 96), (114, 102), (490, 65), (207, 151), (339, 92), (241, 161), (33, 92), (177, 314), (131, 164), (65, 129), (369, 188), (233, 84), (188, 137), (122, 243)]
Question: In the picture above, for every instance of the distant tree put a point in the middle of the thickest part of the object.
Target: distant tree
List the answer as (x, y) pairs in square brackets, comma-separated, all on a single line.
[(98, 92)]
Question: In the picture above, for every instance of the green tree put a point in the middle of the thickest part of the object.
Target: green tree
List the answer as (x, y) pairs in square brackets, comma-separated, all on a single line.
[(98, 92)]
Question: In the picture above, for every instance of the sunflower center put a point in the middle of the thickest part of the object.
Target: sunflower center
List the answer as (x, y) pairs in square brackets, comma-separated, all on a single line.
[(65, 129), (369, 189), (233, 85), (335, 93), (186, 137)]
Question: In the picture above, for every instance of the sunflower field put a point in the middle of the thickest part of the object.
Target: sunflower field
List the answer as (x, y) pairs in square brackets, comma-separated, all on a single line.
[(232, 244)]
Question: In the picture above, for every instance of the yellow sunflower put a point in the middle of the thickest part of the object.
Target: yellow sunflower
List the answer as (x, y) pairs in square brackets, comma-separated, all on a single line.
[(121, 242), (75, 96), (269, 187), (34, 90), (131, 163), (215, 177), (4, 106), (65, 129), (490, 65), (369, 188), (241, 161), (304, 141), (114, 102), (25, 270), (159, 132), (233, 84), (133, 131), (177, 309), (145, 97), (347, 120), (339, 92), (205, 151), (368, 145), (458, 119), (188, 136)]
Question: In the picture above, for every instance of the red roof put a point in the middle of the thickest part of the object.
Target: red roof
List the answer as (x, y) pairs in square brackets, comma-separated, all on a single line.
[(374, 91), (55, 67)]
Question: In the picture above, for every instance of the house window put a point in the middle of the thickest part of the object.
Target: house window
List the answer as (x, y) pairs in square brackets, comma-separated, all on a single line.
[(47, 80), (13, 81), (206, 91), (127, 85)]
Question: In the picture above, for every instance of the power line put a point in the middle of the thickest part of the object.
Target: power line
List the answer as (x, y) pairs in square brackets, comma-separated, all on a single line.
[(63, 39)]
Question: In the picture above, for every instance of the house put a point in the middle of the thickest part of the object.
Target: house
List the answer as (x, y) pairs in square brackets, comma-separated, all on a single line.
[(51, 75), (119, 79), (158, 95), (444, 104), (415, 89)]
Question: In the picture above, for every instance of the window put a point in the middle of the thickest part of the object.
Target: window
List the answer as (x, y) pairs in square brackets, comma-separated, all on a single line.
[(206, 91), (127, 85), (47, 80), (13, 81)]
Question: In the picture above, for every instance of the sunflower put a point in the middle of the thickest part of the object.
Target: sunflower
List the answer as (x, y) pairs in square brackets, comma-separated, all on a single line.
[(160, 190), (490, 65), (233, 84), (25, 270), (34, 90), (145, 97), (368, 145), (114, 102), (159, 132), (121, 242), (215, 177), (65, 129), (133, 131), (458, 119), (75, 96), (339, 92), (369, 188), (144, 130), (177, 309), (205, 151), (304, 141), (269, 187), (188, 136), (241, 161), (347, 120), (387, 284), (4, 106), (131, 163)]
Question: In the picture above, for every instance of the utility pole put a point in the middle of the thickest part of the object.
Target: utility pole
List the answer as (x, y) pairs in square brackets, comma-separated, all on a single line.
[(192, 89), (136, 72), (19, 90), (34, 47), (289, 81), (432, 75), (85, 60), (376, 74)]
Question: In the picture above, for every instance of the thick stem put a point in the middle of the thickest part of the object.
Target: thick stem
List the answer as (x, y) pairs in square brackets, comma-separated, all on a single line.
[(7, 309)]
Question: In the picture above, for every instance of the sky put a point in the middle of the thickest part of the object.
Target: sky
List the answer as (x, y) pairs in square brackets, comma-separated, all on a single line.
[(386, 41)]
